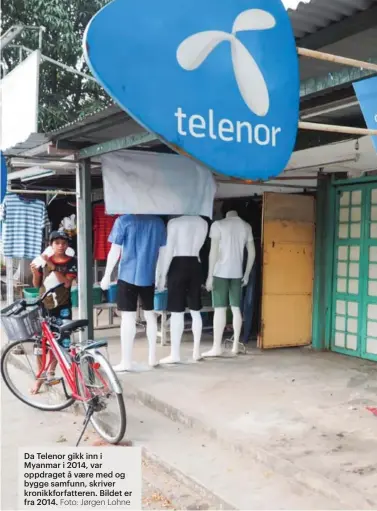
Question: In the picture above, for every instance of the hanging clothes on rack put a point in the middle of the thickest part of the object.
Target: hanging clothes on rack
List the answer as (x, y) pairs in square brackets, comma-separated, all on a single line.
[(60, 208), (24, 220), (102, 226), (62, 214), (251, 212)]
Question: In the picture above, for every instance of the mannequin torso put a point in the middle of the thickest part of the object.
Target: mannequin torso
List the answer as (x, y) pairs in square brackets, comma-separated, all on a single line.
[(187, 235), (232, 234), (140, 237)]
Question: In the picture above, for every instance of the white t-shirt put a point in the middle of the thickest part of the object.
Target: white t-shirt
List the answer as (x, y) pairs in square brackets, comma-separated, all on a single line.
[(186, 235), (233, 235)]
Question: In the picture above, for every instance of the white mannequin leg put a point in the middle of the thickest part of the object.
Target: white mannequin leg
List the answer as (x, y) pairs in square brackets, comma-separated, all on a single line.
[(151, 319), (176, 332), (197, 327), (127, 337), (219, 322), (237, 325)]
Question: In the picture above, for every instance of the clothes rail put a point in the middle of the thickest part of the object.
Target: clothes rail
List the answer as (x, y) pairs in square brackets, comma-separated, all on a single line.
[(44, 192)]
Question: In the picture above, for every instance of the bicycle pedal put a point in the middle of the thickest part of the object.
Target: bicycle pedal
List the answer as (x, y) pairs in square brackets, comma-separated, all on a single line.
[(54, 381)]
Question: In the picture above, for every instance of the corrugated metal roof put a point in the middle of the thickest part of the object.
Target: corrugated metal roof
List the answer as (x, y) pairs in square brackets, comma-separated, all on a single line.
[(34, 140), (310, 17), (98, 115)]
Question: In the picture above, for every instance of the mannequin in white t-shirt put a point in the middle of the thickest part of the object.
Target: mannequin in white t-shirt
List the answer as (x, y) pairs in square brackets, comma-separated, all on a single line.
[(181, 271), (229, 237)]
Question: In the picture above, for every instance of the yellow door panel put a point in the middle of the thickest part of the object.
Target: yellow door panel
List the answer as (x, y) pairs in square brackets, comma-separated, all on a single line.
[(288, 207), (287, 232), (277, 266), (287, 321), (288, 269)]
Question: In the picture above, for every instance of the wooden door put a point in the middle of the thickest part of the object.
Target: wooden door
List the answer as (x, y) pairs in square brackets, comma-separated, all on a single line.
[(287, 270)]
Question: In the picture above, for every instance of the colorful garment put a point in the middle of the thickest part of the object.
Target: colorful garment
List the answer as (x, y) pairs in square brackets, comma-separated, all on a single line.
[(140, 237), (102, 226)]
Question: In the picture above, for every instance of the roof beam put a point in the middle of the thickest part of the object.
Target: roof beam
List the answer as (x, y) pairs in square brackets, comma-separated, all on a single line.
[(331, 80), (333, 106), (117, 144), (85, 127), (338, 31)]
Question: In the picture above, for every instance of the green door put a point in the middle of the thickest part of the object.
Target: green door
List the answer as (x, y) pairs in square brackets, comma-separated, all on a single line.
[(354, 316), (369, 311)]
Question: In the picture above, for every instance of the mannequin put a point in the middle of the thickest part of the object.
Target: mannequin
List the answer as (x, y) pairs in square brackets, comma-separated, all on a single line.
[(136, 240), (181, 270), (229, 237)]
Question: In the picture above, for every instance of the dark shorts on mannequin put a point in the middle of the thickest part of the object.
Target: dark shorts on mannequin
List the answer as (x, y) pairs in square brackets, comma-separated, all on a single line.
[(184, 284), (128, 294)]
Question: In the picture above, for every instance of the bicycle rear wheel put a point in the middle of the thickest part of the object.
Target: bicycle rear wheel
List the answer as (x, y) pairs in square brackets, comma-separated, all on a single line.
[(98, 385), (19, 368)]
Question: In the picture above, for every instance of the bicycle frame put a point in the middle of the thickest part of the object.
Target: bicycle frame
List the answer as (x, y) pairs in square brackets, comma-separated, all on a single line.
[(70, 369)]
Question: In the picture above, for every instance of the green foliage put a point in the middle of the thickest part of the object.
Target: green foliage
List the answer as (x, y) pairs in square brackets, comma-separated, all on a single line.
[(64, 96)]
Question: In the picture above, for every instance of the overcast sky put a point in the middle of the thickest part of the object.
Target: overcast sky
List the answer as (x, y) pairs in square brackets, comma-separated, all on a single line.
[(293, 3)]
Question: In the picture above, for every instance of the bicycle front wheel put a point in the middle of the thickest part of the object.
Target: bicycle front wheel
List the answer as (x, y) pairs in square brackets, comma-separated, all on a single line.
[(98, 385), (19, 369)]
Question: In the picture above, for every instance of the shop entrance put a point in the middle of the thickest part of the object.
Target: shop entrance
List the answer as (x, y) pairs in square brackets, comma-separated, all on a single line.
[(354, 302), (280, 311), (287, 272)]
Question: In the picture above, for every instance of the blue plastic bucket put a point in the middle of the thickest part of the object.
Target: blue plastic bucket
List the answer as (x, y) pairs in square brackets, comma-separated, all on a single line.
[(160, 301), (112, 293)]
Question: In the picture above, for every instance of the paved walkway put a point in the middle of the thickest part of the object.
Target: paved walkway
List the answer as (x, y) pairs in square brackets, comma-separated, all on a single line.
[(302, 413), (23, 426)]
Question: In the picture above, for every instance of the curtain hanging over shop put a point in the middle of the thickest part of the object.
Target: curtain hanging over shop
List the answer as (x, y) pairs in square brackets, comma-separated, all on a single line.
[(138, 182)]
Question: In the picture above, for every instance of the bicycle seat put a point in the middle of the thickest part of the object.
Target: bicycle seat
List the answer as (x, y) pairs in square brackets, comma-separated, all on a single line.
[(71, 326)]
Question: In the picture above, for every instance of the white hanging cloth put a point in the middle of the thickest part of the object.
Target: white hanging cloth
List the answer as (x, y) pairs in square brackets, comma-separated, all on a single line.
[(138, 182)]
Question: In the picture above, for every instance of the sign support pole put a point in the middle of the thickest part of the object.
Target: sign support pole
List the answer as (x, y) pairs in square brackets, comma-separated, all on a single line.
[(84, 245)]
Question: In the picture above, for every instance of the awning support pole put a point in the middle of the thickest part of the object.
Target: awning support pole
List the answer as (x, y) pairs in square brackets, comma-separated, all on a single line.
[(41, 192), (84, 246), (345, 61)]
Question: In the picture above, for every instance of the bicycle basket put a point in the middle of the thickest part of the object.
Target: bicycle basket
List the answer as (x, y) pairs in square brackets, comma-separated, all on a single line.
[(22, 326)]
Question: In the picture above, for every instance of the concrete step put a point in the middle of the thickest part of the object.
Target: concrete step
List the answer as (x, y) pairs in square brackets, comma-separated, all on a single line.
[(298, 486), (219, 477), (223, 474)]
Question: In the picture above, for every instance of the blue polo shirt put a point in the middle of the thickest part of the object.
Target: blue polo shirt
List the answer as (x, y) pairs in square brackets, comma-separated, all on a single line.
[(140, 237)]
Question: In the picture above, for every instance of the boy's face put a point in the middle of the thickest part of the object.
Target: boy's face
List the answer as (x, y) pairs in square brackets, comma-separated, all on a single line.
[(59, 246)]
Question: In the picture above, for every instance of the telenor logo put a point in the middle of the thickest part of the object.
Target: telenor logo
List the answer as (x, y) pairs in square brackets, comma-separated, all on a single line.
[(215, 80), (193, 51)]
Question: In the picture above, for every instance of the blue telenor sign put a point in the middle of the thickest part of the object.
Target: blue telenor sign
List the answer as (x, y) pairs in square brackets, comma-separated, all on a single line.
[(3, 176), (216, 80), (366, 92)]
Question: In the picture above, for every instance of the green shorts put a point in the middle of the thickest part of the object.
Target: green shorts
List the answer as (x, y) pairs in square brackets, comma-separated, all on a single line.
[(226, 292)]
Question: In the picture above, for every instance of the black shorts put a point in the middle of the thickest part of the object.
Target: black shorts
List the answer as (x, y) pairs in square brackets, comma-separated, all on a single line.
[(128, 294), (184, 284)]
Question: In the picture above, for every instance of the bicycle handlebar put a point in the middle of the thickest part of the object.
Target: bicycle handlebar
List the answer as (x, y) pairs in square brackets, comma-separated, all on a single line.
[(24, 304)]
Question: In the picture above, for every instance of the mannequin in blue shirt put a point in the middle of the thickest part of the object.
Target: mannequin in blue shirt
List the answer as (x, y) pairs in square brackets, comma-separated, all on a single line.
[(135, 240)]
